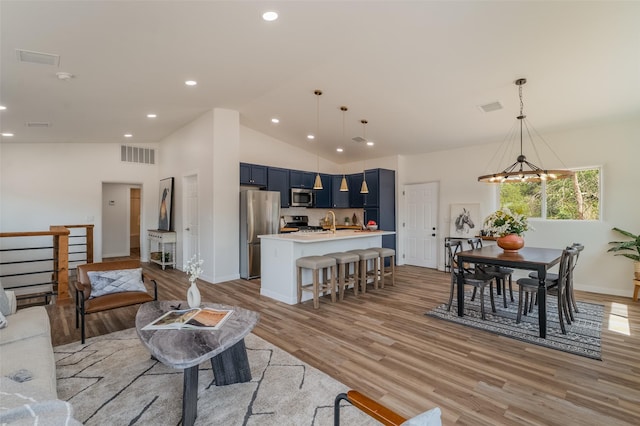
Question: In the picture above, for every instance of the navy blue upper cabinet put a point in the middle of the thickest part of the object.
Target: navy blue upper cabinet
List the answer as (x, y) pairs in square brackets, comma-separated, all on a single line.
[(324, 195), (253, 174), (356, 199), (372, 177), (279, 181), (340, 199), (300, 179)]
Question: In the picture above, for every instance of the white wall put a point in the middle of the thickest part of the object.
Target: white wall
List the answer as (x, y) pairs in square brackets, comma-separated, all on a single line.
[(208, 147), (613, 146), (43, 184)]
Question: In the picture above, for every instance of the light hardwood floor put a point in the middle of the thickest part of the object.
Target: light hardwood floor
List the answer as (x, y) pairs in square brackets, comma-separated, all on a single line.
[(383, 345)]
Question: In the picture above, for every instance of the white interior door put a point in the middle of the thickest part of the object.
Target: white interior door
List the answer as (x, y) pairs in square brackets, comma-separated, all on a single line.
[(421, 207), (191, 244)]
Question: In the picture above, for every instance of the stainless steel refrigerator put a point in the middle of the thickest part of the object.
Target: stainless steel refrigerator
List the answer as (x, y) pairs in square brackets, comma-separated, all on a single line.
[(259, 215)]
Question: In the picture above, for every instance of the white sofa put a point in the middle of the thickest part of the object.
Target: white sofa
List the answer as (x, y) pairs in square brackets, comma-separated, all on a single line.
[(26, 352)]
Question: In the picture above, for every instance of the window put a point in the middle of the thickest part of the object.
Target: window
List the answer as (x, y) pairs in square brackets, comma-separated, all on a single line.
[(576, 198)]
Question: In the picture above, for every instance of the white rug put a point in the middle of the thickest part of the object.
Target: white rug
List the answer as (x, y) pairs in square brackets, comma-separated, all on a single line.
[(111, 380)]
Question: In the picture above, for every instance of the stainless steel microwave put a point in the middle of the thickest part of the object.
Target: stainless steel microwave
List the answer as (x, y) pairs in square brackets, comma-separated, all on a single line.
[(302, 197)]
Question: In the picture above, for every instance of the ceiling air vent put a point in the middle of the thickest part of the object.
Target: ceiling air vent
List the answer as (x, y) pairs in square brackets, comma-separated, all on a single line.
[(37, 124), (493, 106), (135, 154), (38, 57)]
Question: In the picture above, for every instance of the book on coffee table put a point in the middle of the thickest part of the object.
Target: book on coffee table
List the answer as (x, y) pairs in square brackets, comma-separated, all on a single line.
[(190, 319)]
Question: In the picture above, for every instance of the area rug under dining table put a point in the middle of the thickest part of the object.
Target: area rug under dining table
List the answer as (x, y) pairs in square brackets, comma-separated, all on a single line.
[(582, 338), (112, 380)]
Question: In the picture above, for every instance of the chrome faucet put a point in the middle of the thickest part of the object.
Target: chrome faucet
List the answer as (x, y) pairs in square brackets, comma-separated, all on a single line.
[(333, 223)]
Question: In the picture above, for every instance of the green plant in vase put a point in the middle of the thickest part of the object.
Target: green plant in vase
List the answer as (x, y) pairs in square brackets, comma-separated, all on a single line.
[(624, 247)]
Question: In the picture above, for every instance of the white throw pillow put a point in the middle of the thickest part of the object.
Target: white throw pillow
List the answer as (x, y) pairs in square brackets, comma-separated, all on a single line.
[(118, 281), (428, 418)]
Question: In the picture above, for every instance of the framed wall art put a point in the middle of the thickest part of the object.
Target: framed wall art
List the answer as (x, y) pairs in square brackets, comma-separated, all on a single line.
[(465, 220), (166, 197)]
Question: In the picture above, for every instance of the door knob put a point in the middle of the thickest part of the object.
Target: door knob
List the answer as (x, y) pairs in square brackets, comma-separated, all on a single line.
[(187, 229), (433, 235)]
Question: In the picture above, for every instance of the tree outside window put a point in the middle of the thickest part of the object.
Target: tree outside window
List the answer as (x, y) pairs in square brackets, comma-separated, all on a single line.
[(576, 198)]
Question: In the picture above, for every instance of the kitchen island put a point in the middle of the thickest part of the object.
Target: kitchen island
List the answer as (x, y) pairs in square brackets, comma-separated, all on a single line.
[(280, 251)]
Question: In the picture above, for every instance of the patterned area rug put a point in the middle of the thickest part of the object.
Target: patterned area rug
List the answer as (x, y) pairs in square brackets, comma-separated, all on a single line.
[(111, 380), (582, 338)]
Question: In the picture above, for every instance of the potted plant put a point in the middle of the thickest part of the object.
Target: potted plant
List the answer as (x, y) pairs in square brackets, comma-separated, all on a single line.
[(508, 227), (630, 245)]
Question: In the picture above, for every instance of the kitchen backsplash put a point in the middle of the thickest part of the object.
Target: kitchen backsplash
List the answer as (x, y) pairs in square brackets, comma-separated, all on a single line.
[(316, 215)]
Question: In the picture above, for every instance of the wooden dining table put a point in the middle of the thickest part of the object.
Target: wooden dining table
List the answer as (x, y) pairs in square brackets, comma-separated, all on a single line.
[(528, 258)]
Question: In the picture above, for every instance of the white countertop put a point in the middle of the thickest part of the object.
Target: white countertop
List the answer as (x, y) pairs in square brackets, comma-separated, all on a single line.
[(312, 237)]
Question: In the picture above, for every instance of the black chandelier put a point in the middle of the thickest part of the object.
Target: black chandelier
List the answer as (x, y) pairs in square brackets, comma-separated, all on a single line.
[(523, 170)]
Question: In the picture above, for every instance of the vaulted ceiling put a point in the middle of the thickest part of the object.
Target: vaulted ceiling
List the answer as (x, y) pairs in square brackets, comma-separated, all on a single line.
[(418, 71)]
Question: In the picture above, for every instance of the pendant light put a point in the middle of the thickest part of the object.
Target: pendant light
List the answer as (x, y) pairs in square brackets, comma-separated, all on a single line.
[(344, 187), (364, 189), (522, 170), (317, 184)]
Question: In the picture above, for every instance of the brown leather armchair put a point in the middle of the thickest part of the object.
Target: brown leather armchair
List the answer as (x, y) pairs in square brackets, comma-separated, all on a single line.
[(383, 414), (86, 305), (379, 412)]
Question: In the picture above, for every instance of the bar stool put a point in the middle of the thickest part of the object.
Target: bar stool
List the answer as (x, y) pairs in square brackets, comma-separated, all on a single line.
[(345, 277), (365, 271), (383, 253), (315, 264)]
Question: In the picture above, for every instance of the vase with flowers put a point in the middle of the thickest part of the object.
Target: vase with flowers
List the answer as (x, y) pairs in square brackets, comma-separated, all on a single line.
[(193, 268), (508, 227)]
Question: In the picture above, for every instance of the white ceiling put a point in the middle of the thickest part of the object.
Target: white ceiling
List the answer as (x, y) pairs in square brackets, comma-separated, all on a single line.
[(417, 71)]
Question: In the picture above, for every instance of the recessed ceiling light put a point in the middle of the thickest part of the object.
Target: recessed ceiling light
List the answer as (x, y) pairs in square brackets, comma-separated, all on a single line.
[(270, 16), (311, 137), (7, 134), (128, 135), (339, 149), (275, 120), (369, 143), (151, 115), (2, 107), (190, 82)]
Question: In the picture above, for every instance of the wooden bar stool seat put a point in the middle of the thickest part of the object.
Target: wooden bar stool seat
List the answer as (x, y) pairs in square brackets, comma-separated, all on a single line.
[(315, 264), (345, 277), (367, 272), (383, 253)]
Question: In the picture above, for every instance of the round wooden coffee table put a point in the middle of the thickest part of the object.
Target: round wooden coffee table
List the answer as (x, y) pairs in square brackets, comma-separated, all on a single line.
[(187, 349)]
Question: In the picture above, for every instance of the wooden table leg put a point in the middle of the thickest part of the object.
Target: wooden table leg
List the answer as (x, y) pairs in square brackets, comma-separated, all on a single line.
[(460, 292), (232, 365), (190, 396), (542, 307)]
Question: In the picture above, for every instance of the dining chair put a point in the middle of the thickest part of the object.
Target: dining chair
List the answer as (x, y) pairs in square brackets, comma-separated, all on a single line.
[(529, 286), (552, 279), (475, 278), (501, 274)]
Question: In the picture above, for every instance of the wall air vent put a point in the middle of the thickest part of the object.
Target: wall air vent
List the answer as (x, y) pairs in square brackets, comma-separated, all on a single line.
[(135, 154), (38, 57), (493, 106), (37, 124)]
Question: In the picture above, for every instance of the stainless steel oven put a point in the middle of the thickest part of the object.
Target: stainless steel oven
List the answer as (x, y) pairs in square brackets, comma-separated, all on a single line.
[(302, 197)]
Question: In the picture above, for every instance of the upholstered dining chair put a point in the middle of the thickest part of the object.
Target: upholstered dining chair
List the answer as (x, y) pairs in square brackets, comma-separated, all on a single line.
[(475, 278), (552, 279), (501, 274), (528, 287)]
